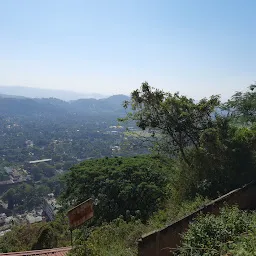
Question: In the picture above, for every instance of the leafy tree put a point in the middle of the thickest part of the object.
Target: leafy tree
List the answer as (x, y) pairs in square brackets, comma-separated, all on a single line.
[(212, 155), (3, 175), (58, 166), (225, 161), (56, 158), (67, 165), (242, 106), (119, 185), (179, 120), (47, 169), (47, 239), (55, 184), (36, 172), (37, 236), (25, 197), (9, 197)]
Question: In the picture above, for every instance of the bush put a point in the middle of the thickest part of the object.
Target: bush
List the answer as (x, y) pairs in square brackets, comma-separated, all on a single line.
[(217, 235), (117, 238), (225, 162), (122, 186)]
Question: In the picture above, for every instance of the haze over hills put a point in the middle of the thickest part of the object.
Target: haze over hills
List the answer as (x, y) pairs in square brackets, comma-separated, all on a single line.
[(31, 92), (19, 106)]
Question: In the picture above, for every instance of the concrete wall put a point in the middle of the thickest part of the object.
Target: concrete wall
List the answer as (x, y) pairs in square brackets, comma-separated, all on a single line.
[(159, 243)]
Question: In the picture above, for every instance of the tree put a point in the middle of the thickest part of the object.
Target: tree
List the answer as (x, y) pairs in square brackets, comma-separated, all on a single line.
[(36, 172), (47, 169), (225, 161), (25, 197), (178, 120), (3, 174), (9, 197), (56, 158), (58, 166), (37, 236), (47, 239), (67, 165), (212, 155), (242, 106), (122, 186)]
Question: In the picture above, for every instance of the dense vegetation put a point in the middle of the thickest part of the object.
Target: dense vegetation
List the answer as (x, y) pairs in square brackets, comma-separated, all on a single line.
[(65, 139), (135, 186), (67, 132), (120, 237), (231, 233), (200, 150), (212, 146), (37, 236), (26, 197)]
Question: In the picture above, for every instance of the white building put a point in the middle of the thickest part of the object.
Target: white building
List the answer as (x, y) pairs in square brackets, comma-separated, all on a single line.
[(2, 218), (33, 219)]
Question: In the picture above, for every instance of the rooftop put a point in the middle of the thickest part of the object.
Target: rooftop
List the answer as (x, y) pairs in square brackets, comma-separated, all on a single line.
[(48, 252), (40, 161)]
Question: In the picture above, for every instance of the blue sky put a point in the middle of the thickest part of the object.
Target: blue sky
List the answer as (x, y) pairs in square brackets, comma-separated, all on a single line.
[(197, 47)]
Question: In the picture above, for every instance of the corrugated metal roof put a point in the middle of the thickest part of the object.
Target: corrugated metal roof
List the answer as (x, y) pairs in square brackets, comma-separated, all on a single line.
[(49, 252)]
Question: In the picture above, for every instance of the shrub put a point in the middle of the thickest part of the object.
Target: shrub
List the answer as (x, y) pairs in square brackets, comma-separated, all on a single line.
[(217, 235)]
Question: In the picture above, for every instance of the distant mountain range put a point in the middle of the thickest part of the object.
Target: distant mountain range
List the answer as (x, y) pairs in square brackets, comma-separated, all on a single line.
[(30, 92), (21, 106)]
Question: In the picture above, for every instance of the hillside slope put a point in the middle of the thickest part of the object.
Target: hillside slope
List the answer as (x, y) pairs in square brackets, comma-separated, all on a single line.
[(30, 92), (12, 106)]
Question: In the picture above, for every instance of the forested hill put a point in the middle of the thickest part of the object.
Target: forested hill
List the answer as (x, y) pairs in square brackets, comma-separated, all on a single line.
[(11, 106), (30, 92)]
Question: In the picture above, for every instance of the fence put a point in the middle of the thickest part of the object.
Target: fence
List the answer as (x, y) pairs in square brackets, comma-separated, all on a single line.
[(158, 243)]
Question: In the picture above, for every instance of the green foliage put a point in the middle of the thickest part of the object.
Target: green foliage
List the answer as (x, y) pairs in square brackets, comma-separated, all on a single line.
[(210, 155), (25, 197), (225, 161), (178, 119), (117, 238), (55, 184), (246, 244), (229, 232), (47, 239), (46, 169), (20, 238), (37, 236), (173, 211), (120, 185), (3, 175), (120, 238), (209, 150), (242, 106), (36, 173), (206, 154), (61, 137), (42, 170)]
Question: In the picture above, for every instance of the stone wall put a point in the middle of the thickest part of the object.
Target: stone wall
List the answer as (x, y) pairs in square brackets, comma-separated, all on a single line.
[(159, 243)]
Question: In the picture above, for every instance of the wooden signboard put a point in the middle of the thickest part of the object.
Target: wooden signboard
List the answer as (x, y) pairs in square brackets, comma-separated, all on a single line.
[(80, 214)]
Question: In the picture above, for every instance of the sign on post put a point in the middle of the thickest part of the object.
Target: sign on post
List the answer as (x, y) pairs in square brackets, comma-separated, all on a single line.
[(80, 214)]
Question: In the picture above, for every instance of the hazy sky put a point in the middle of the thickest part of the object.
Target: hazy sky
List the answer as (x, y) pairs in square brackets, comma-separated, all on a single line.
[(196, 47)]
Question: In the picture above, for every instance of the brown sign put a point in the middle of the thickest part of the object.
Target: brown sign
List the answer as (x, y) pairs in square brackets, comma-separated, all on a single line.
[(80, 214)]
